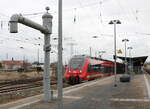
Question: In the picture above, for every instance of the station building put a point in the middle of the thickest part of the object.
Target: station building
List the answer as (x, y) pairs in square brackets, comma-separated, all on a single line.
[(134, 64)]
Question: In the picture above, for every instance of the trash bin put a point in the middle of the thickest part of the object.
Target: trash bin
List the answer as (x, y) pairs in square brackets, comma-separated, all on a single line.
[(125, 78)]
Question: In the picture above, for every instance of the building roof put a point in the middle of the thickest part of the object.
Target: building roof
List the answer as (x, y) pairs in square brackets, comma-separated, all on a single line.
[(136, 61), (12, 62)]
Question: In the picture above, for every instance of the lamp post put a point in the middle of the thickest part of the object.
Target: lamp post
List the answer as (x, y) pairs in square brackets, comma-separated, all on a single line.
[(90, 51), (23, 55), (96, 54), (125, 41), (95, 36), (101, 53), (130, 48), (22, 48), (23, 58), (114, 22), (126, 76), (38, 54), (38, 61), (95, 51)]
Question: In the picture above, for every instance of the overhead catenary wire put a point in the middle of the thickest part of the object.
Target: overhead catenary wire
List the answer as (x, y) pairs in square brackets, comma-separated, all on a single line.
[(33, 14), (70, 9), (79, 7), (101, 20), (128, 15), (129, 18), (132, 18)]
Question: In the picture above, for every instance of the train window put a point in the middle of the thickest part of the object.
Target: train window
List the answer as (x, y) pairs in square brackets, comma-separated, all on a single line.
[(76, 63), (89, 68), (107, 69), (94, 68), (102, 69)]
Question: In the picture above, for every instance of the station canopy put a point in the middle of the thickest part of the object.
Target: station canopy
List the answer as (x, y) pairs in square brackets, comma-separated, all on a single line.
[(135, 61)]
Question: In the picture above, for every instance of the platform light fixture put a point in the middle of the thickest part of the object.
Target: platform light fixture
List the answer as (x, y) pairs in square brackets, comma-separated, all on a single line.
[(114, 22), (101, 53), (131, 65), (125, 44)]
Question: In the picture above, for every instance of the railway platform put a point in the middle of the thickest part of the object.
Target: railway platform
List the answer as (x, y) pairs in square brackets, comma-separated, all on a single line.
[(97, 94)]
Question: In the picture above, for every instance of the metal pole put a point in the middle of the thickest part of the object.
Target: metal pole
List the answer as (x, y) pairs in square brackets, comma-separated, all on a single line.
[(130, 48), (125, 59), (95, 54), (46, 76), (47, 23), (37, 69), (90, 51), (59, 81), (130, 60), (131, 64), (115, 68), (6, 56), (38, 55), (71, 50)]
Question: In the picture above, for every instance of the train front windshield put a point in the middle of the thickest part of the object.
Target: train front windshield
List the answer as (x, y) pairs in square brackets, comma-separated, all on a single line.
[(76, 63)]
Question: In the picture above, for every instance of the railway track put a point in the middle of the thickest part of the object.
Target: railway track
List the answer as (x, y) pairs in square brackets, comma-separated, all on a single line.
[(7, 89), (16, 88), (19, 82)]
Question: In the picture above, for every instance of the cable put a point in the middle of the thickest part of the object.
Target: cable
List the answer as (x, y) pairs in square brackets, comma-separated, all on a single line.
[(33, 14)]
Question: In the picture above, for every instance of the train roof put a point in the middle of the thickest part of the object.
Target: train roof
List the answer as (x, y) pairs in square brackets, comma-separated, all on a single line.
[(86, 56), (80, 56)]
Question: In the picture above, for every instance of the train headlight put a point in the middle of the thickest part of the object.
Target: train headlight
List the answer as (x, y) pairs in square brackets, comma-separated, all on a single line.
[(80, 71)]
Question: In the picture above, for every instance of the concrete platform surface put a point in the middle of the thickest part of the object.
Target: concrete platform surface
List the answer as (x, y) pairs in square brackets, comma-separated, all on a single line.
[(102, 94)]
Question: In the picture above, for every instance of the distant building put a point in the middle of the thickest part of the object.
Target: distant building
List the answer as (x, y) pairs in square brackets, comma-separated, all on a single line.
[(0, 65), (38, 65), (14, 65)]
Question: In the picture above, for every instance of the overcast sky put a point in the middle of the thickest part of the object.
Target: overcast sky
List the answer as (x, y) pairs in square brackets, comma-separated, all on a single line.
[(92, 18)]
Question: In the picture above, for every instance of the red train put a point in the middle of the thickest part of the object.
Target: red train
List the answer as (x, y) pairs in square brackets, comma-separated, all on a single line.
[(83, 67)]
